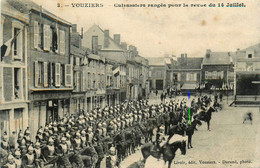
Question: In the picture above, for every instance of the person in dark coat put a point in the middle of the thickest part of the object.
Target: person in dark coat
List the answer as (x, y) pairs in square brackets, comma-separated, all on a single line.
[(100, 151), (162, 97)]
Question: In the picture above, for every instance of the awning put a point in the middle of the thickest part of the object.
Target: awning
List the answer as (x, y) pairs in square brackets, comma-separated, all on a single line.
[(189, 86)]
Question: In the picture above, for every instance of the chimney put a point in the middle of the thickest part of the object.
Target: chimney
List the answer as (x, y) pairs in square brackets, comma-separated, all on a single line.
[(81, 33), (106, 38), (117, 39), (208, 53), (74, 28), (124, 45)]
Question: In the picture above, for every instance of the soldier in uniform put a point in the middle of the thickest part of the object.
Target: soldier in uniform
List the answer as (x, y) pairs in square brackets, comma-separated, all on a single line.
[(50, 149), (90, 135), (83, 138), (100, 151), (37, 155), (111, 159), (18, 159), (77, 142), (28, 160), (4, 142), (10, 162)]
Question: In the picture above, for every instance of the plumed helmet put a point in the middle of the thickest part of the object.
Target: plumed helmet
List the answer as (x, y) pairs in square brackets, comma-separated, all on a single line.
[(17, 153), (30, 148), (10, 158)]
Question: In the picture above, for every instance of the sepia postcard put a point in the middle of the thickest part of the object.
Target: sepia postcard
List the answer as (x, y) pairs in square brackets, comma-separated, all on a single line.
[(130, 83)]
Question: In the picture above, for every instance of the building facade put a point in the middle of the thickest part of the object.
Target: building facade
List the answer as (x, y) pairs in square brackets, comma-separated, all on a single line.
[(13, 70), (157, 73), (247, 74), (185, 73), (51, 72), (217, 71)]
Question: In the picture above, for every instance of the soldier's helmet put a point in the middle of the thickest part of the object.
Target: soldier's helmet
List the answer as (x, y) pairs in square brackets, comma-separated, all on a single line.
[(37, 145), (10, 158), (83, 132), (51, 141), (17, 153), (63, 139), (30, 149), (77, 135), (67, 135), (112, 150), (89, 129)]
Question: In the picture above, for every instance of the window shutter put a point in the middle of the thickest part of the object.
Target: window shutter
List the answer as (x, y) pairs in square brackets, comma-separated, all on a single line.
[(187, 77), (36, 34), (46, 43), (36, 73), (58, 40), (45, 74), (68, 75), (57, 74), (49, 38), (62, 42), (195, 76)]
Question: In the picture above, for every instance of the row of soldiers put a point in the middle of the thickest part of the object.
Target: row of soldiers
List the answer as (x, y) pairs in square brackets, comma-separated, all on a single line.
[(88, 136)]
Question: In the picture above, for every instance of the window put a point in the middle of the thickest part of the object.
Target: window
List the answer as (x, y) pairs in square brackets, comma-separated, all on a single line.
[(54, 39), (57, 74), (187, 77), (18, 119), (208, 75), (249, 56), (68, 75), (179, 76), (45, 74), (62, 42), (89, 80), (214, 75), (17, 83), (17, 45), (62, 75), (94, 44), (36, 34), (4, 120), (46, 37)]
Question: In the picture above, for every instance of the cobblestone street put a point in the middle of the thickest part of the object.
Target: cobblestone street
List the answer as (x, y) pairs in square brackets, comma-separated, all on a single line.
[(228, 141)]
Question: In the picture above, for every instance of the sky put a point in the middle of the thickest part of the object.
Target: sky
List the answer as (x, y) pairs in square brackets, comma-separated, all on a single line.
[(159, 31)]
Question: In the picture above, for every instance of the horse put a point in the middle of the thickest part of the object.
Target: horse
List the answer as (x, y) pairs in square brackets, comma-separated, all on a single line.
[(190, 130), (205, 116), (167, 150)]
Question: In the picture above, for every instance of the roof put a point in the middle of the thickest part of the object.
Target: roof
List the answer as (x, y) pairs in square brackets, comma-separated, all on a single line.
[(9, 10), (188, 63), (217, 58), (77, 51), (255, 48), (156, 61), (24, 6)]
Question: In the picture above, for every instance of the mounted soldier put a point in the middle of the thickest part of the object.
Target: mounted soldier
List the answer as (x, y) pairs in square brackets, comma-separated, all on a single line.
[(111, 159)]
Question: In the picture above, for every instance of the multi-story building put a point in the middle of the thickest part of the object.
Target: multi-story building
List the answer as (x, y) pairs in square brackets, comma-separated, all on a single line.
[(13, 69), (185, 73), (50, 77), (217, 70), (77, 56), (157, 73), (247, 74), (100, 43)]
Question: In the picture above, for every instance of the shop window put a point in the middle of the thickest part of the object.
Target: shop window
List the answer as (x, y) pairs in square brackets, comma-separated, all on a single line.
[(18, 119)]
